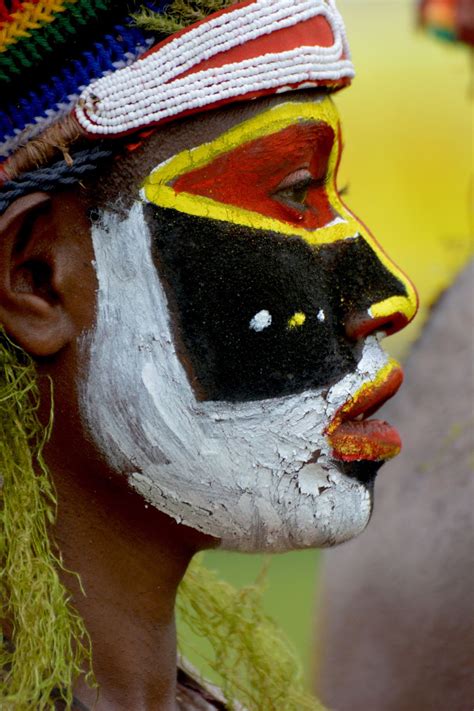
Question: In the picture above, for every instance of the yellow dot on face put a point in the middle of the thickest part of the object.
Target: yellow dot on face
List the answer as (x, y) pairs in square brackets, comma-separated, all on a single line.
[(296, 320)]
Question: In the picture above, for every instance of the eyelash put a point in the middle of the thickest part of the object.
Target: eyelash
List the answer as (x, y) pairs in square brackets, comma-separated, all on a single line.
[(295, 195)]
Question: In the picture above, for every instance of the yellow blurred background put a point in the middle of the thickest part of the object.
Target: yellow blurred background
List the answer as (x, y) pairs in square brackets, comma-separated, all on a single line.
[(408, 131), (408, 162)]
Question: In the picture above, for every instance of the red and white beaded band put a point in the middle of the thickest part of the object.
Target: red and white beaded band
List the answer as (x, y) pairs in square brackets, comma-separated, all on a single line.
[(251, 49)]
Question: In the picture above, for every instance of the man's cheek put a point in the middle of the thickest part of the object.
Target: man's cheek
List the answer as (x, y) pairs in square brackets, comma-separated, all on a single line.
[(229, 469), (256, 314)]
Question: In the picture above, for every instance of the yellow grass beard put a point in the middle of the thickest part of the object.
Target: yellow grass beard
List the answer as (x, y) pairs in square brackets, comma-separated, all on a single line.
[(46, 645)]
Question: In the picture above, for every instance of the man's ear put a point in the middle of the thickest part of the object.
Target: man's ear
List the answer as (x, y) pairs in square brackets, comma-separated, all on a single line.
[(33, 272)]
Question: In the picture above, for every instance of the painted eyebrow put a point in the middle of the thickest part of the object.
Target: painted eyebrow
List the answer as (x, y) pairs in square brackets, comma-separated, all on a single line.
[(320, 111), (296, 146)]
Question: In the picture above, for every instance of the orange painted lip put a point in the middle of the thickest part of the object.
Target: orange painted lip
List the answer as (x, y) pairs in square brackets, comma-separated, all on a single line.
[(353, 437)]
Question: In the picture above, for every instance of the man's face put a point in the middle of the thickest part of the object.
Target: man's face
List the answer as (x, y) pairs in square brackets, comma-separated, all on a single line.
[(235, 341)]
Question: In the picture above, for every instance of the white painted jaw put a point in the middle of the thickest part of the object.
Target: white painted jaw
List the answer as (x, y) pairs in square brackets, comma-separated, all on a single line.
[(238, 471)]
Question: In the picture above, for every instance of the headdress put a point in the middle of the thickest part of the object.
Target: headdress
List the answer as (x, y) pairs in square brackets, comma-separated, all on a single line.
[(117, 80)]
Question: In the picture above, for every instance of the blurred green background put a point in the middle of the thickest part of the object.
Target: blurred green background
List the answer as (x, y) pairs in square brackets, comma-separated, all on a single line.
[(407, 127)]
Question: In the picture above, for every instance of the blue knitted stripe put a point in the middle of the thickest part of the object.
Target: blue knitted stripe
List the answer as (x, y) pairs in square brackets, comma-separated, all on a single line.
[(155, 5), (37, 105), (59, 174)]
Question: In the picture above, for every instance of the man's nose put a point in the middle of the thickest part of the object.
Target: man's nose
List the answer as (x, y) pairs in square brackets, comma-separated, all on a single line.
[(375, 296), (387, 316)]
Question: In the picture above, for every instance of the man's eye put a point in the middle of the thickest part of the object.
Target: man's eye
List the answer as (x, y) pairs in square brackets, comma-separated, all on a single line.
[(297, 193), (294, 188)]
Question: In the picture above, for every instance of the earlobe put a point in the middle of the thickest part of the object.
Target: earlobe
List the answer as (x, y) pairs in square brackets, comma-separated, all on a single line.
[(31, 305)]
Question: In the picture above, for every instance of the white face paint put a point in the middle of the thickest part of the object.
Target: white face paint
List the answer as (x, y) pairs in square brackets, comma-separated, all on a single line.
[(261, 320), (238, 471)]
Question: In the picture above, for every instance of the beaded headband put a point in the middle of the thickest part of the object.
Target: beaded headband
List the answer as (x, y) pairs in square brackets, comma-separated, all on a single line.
[(120, 84), (248, 50)]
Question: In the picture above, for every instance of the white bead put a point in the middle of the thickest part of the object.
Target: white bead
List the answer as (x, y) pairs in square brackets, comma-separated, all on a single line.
[(153, 88)]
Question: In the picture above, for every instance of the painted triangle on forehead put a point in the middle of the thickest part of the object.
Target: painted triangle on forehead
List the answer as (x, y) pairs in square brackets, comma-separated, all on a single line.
[(264, 174)]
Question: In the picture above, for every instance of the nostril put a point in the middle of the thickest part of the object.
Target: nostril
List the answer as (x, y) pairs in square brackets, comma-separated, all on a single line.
[(359, 326)]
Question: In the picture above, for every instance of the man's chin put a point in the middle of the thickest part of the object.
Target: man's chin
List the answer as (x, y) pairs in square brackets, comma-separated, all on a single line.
[(330, 503), (363, 471)]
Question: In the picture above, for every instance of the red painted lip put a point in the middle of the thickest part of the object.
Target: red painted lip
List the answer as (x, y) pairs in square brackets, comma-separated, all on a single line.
[(354, 439)]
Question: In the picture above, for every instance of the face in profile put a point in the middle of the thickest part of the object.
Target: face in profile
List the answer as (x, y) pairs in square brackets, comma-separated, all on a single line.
[(235, 363)]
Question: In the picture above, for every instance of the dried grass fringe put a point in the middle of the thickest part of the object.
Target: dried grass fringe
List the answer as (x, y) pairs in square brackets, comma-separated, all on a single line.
[(256, 666), (48, 646)]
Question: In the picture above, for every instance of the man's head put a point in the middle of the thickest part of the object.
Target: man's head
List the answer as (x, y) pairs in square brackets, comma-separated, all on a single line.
[(232, 339), (175, 256)]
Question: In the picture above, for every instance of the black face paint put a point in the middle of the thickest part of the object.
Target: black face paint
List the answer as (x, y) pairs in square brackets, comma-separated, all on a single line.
[(219, 275)]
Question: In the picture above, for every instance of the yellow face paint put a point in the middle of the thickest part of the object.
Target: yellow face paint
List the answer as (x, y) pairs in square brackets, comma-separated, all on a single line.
[(395, 304), (164, 188), (158, 188), (359, 399), (372, 440), (297, 319)]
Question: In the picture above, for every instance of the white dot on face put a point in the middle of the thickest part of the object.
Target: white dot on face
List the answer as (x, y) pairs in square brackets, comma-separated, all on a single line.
[(321, 316), (261, 320)]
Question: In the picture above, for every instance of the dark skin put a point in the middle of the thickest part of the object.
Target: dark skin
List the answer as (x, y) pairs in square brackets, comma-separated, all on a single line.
[(129, 556)]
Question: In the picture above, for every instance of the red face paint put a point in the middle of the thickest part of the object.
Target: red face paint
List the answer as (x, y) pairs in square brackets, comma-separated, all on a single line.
[(282, 176), (373, 441), (369, 440)]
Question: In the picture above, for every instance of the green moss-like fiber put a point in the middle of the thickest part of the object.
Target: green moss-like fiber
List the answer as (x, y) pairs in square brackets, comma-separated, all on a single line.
[(178, 15), (44, 644), (255, 663)]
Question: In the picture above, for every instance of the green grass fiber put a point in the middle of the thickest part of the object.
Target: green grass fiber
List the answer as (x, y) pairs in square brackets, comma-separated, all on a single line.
[(288, 597)]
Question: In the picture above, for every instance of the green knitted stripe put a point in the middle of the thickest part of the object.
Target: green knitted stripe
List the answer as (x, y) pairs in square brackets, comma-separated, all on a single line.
[(44, 41), (179, 14)]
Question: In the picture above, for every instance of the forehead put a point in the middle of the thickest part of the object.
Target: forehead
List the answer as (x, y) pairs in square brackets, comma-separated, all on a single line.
[(188, 133), (231, 176), (255, 128), (250, 119)]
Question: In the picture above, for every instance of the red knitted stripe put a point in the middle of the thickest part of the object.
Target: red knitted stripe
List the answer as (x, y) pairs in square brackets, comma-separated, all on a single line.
[(7, 9)]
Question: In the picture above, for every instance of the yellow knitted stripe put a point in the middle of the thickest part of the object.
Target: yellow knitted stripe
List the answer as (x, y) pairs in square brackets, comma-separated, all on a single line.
[(30, 17)]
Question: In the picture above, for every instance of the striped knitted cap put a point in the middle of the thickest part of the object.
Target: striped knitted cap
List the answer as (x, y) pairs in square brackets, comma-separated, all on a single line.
[(49, 51), (87, 66)]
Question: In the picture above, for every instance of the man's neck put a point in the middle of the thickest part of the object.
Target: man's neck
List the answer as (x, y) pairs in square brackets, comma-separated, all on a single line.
[(130, 559)]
